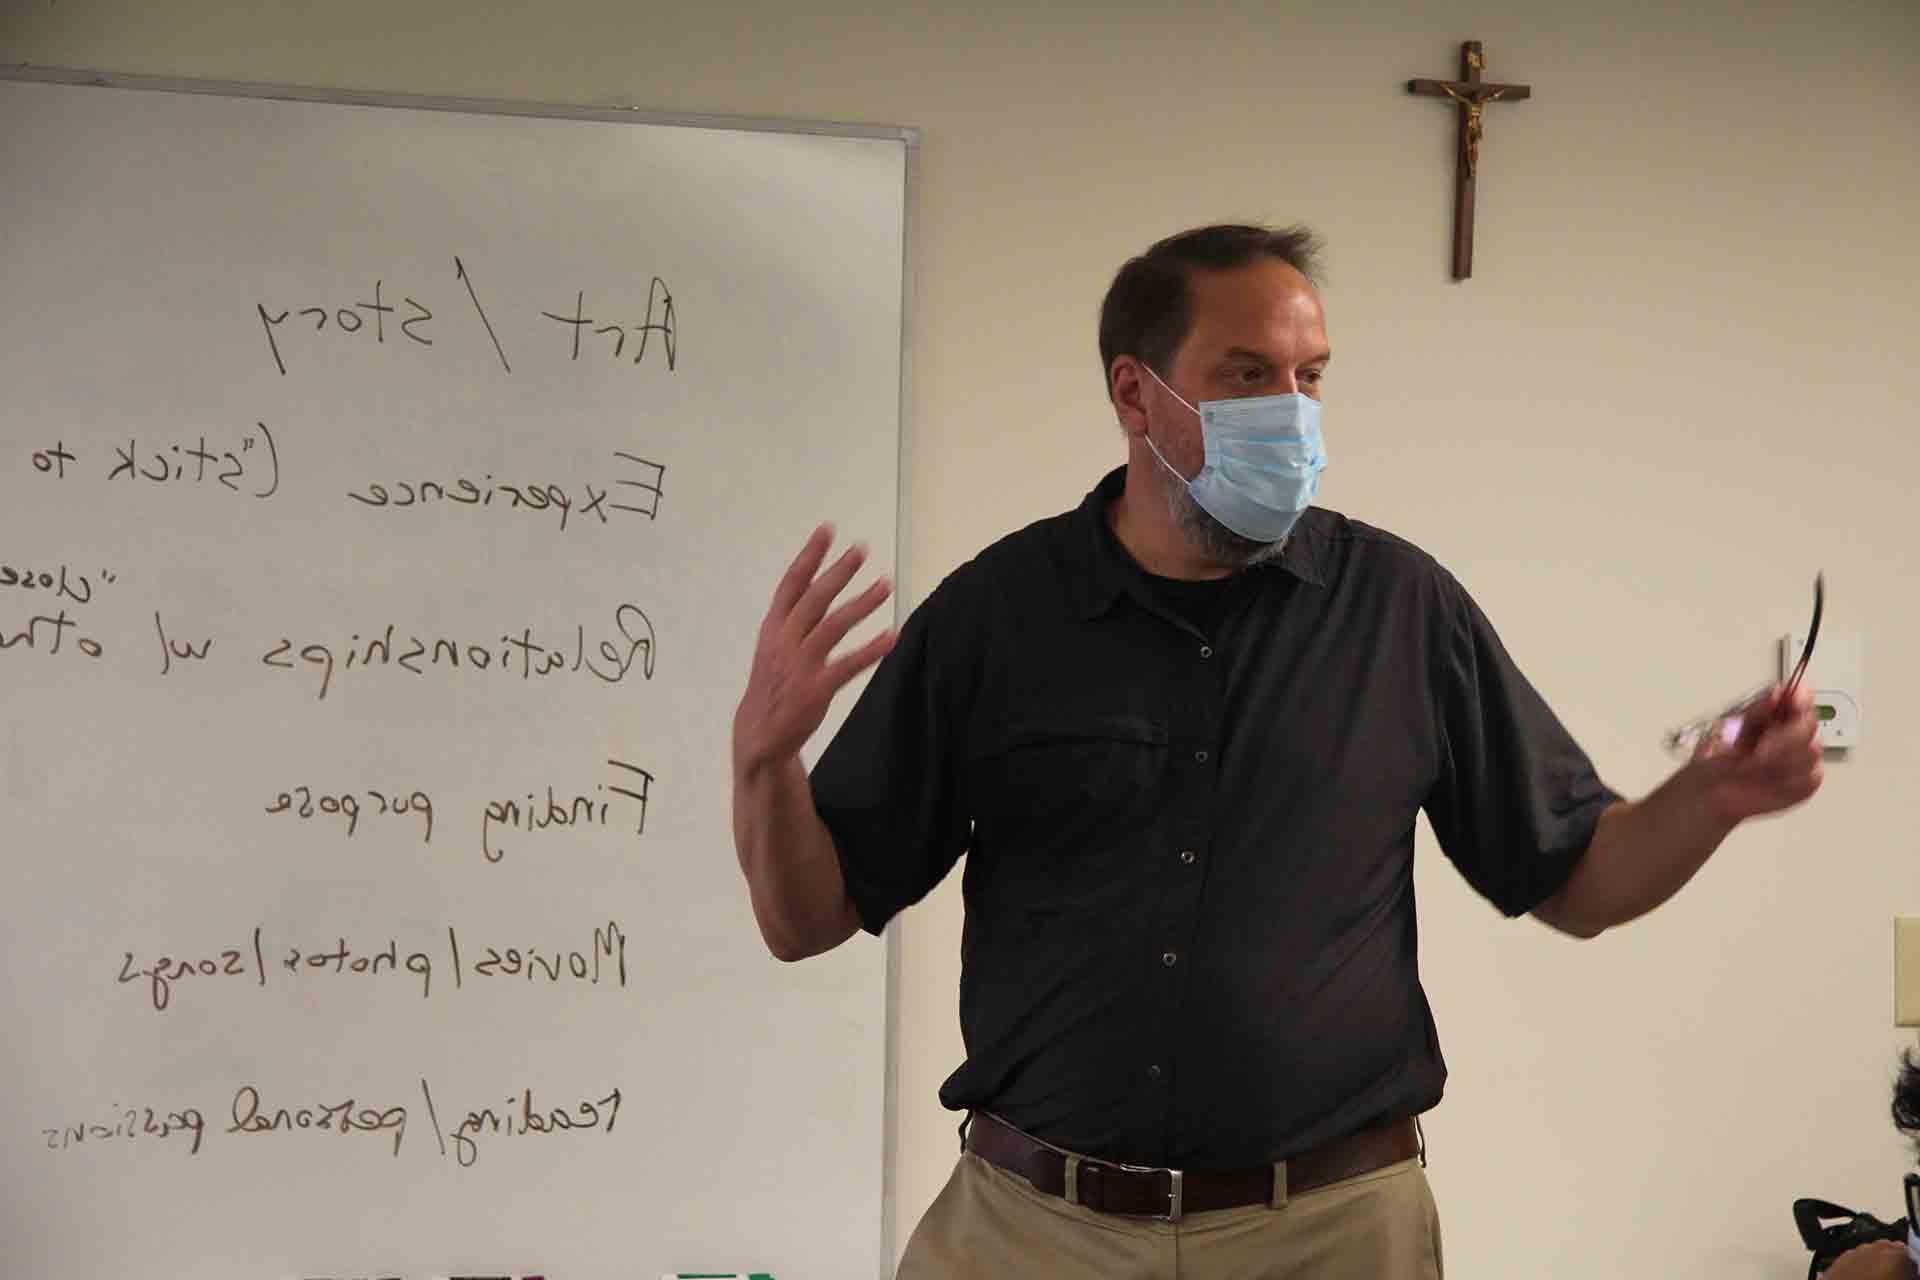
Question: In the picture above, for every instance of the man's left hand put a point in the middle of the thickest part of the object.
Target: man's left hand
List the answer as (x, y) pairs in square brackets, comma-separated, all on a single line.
[(1773, 762), (1642, 851)]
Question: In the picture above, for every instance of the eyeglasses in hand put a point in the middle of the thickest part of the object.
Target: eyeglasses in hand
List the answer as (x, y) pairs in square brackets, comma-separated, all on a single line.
[(1721, 729)]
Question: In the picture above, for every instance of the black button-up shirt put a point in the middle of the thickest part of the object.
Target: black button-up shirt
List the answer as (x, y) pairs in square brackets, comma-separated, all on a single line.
[(1190, 935)]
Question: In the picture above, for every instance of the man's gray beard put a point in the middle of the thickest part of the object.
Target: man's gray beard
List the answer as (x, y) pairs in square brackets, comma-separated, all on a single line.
[(1214, 540)]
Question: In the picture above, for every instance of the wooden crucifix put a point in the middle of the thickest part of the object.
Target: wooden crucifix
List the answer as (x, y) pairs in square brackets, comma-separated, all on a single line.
[(1472, 94)]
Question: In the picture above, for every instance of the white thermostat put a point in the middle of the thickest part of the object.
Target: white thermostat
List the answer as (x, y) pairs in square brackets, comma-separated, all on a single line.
[(1833, 677)]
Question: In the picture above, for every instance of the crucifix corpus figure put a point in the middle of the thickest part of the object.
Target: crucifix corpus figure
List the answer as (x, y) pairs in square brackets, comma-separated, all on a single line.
[(1471, 93)]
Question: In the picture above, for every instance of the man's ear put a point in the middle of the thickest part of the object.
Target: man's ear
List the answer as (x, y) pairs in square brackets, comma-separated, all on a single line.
[(1127, 388)]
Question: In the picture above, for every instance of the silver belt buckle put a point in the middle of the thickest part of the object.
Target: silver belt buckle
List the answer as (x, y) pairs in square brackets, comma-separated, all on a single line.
[(1174, 1193)]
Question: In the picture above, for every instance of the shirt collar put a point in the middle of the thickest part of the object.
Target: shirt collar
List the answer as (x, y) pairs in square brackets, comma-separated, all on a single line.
[(1106, 571)]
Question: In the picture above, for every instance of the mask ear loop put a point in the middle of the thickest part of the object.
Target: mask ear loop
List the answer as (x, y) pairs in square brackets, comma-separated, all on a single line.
[(1163, 461), (1171, 470), (1169, 390)]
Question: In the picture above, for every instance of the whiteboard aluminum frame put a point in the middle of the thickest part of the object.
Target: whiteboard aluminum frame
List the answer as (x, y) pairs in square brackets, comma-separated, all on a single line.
[(472, 106), (906, 135), (890, 1073)]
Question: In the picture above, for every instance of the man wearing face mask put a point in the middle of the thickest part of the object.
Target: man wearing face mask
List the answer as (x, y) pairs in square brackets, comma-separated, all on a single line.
[(1182, 734)]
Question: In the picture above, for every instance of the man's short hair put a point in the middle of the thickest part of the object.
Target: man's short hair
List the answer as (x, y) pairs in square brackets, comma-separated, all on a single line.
[(1149, 307)]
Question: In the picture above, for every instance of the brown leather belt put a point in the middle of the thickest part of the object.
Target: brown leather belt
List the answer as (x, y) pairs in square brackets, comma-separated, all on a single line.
[(1171, 1193)]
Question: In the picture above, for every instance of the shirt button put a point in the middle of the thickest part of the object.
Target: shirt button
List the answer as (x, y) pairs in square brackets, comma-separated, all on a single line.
[(1206, 651), (1169, 959), (1187, 856), (1200, 756), (1153, 1073)]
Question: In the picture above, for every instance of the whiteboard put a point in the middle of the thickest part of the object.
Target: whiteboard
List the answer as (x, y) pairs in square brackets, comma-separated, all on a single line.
[(389, 495)]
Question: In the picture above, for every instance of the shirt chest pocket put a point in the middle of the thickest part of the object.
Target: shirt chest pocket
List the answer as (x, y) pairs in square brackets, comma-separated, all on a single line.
[(1071, 773)]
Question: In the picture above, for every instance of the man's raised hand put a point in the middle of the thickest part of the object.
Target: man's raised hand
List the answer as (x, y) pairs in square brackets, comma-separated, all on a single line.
[(795, 673), (1774, 761)]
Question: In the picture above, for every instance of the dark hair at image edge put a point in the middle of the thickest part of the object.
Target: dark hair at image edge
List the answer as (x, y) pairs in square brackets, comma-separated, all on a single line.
[(1906, 1097), (1149, 307)]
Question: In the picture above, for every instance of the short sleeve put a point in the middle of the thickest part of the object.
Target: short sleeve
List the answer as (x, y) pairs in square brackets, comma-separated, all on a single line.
[(888, 785), (1517, 800)]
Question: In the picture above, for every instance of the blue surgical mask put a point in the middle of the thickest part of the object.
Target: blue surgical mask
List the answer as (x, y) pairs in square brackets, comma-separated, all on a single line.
[(1264, 457)]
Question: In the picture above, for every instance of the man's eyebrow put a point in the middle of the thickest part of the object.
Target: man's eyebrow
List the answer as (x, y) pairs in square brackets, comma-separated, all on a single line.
[(1248, 353)]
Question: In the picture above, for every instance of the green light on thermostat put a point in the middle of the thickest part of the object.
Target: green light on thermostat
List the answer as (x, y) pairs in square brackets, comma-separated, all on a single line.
[(1824, 712)]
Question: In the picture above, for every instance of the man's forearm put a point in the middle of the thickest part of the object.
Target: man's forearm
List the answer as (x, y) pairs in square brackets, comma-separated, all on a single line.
[(786, 852), (1641, 854)]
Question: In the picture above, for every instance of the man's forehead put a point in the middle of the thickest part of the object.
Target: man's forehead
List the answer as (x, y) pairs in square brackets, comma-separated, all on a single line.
[(1265, 297)]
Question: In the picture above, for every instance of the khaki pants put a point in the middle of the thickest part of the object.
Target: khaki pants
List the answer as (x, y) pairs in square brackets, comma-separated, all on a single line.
[(989, 1224)]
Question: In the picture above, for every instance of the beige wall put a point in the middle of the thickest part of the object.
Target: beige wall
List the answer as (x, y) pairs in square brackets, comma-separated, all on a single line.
[(1681, 381)]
